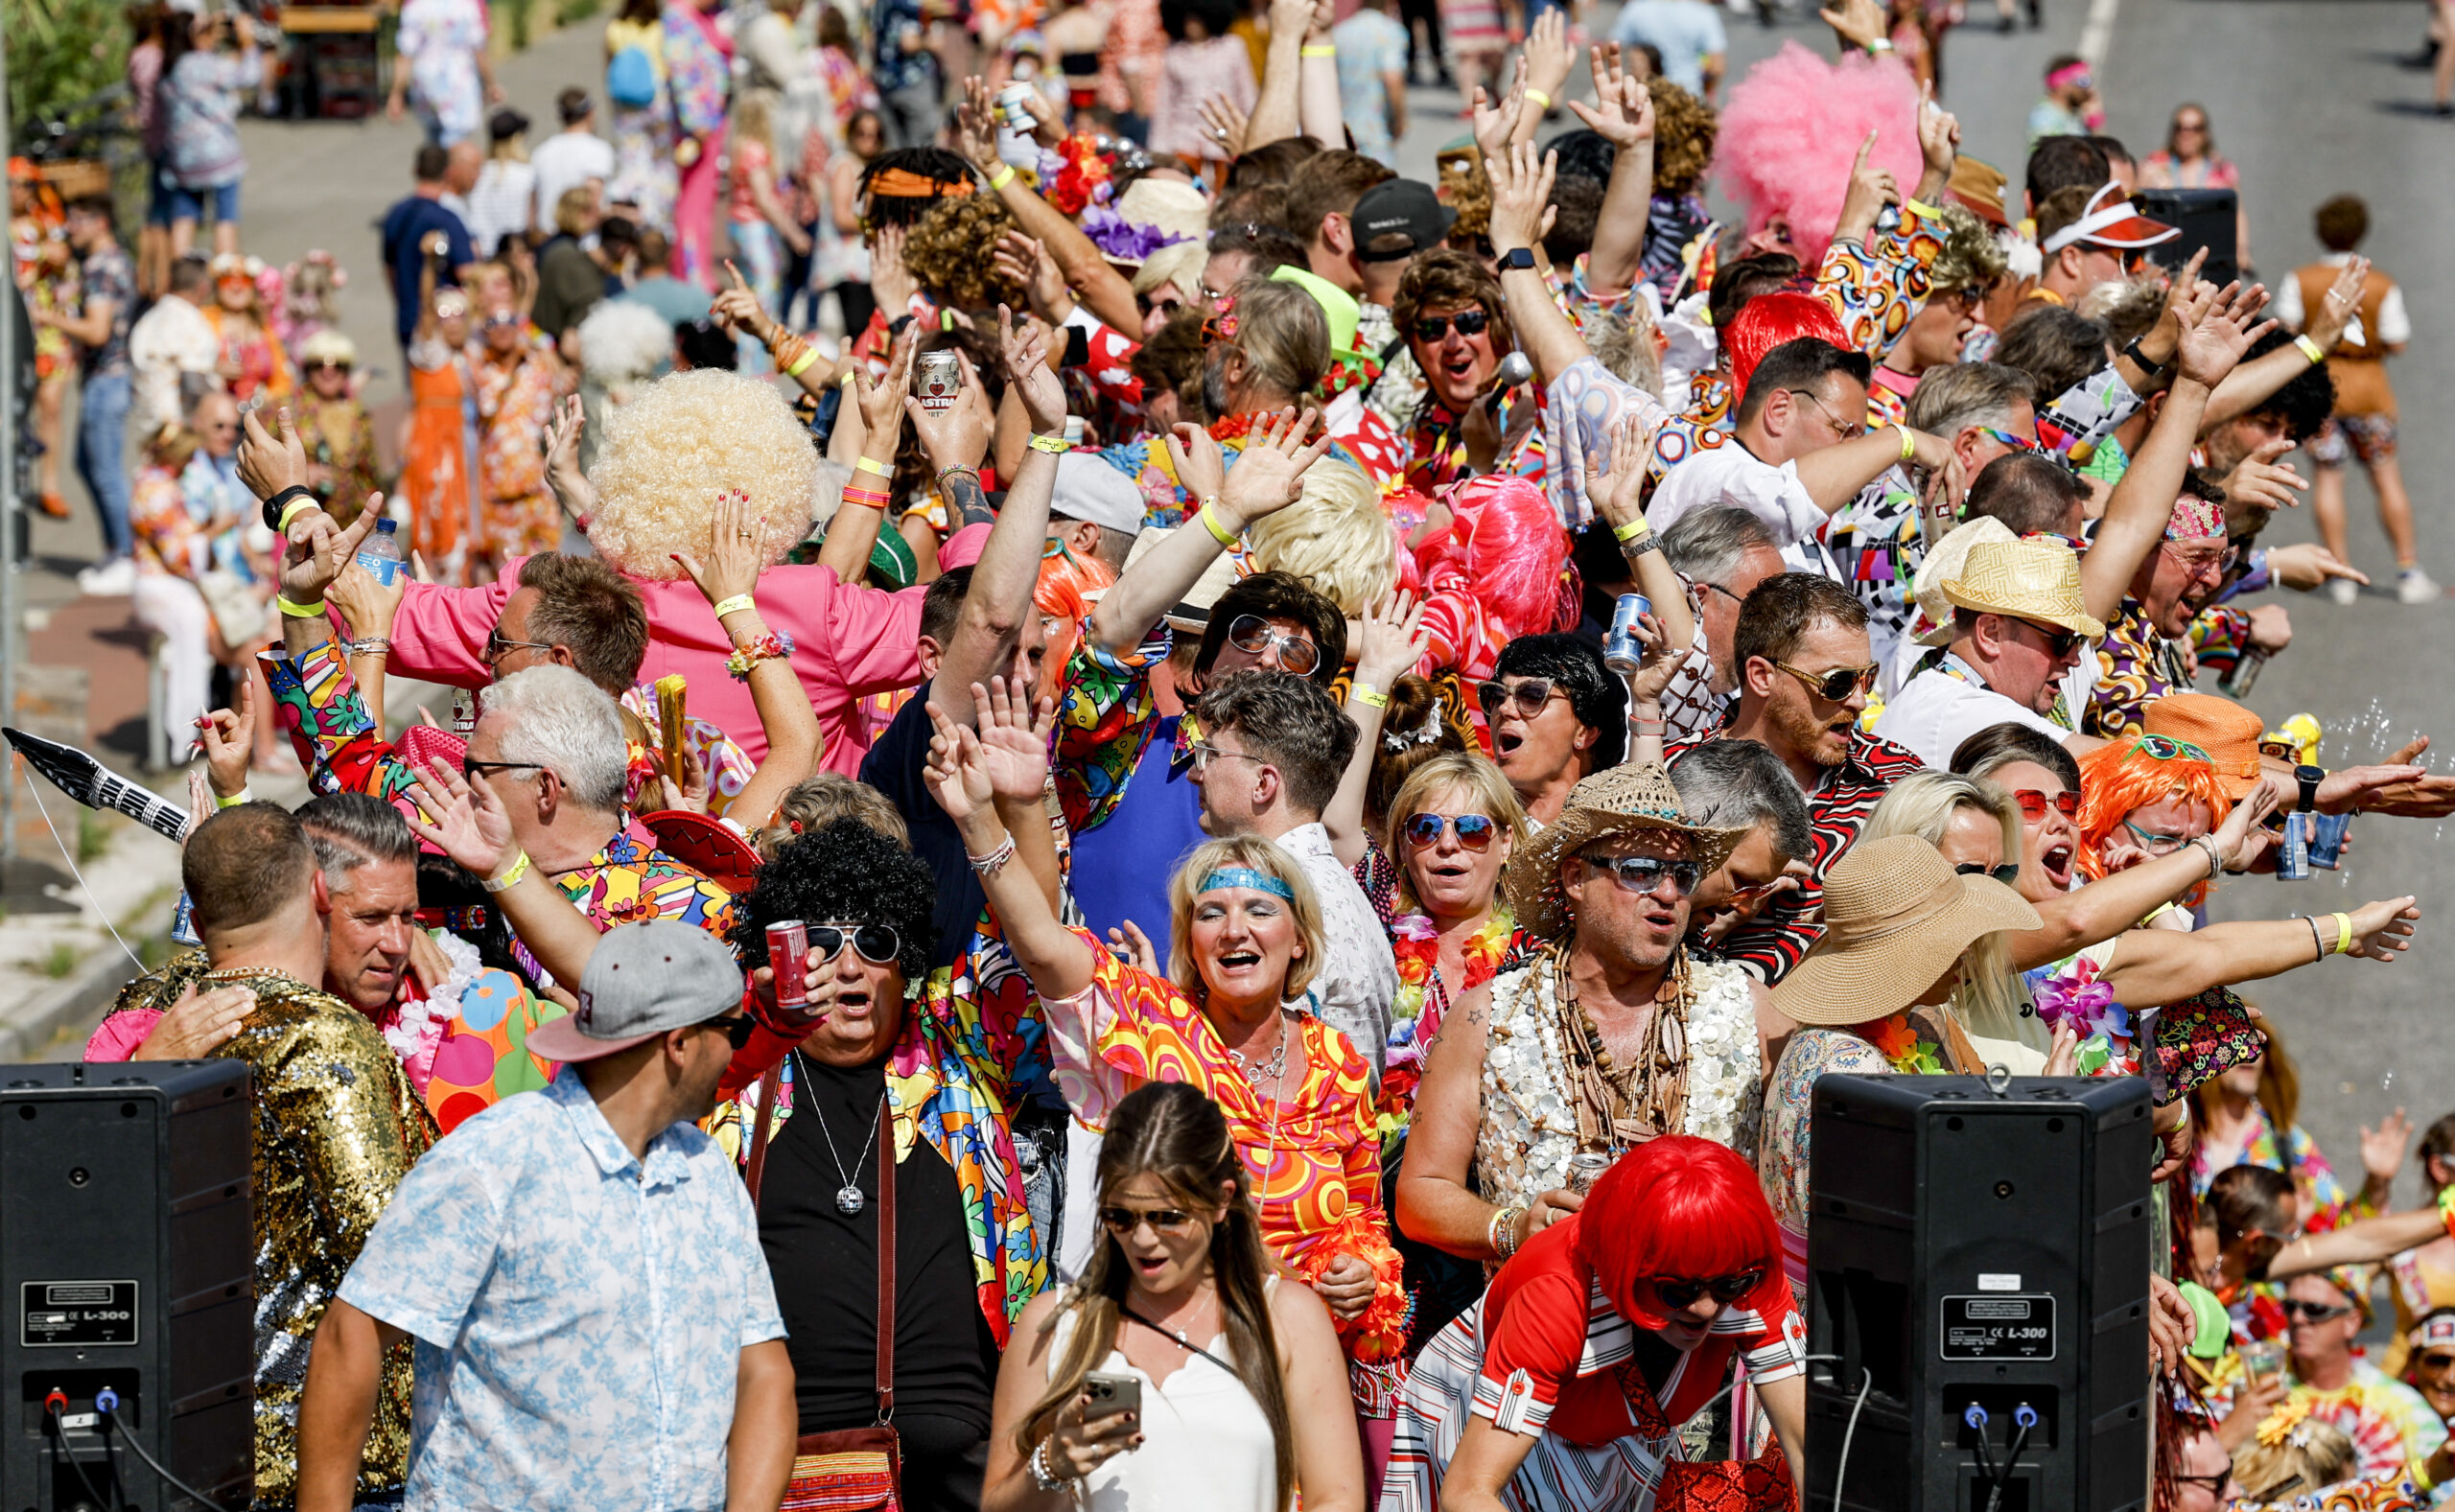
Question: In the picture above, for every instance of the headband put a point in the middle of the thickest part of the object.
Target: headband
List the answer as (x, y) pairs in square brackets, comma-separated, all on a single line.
[(2068, 74), (1225, 878), (2195, 519), (902, 183), (2433, 1331)]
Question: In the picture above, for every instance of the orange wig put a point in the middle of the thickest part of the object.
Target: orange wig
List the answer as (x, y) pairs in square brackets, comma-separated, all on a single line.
[(2121, 776), (1067, 588)]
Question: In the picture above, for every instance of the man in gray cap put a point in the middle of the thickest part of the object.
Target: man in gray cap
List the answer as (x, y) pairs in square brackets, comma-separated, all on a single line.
[(581, 1270), (1096, 511)]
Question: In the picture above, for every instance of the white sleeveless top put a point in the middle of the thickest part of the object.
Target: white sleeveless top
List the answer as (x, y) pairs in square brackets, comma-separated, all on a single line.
[(1205, 1445)]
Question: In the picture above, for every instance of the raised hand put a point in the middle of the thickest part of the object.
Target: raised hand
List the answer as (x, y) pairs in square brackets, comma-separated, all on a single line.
[(1390, 640), (1201, 466), (367, 603), (2382, 1149), (1226, 124), (464, 820), (2380, 931), (1871, 188), (2261, 479), (563, 431), (957, 776), (1496, 122), (976, 126), (1270, 475), (2242, 839), (2328, 323), (2213, 344), (958, 436), (228, 738), (1135, 949), (737, 553), (1548, 56), (1521, 196), (1022, 260), (1857, 23), (882, 403), (736, 308), (691, 794), (1025, 350), (1616, 492), (1014, 737), (889, 278), (1658, 667), (311, 558), (1938, 142), (1623, 108)]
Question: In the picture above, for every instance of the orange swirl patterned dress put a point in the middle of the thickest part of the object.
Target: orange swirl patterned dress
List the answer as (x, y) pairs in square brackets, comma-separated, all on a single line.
[(1315, 1157)]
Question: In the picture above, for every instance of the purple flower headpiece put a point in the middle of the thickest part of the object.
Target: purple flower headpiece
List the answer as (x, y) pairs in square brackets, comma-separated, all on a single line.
[(1122, 241)]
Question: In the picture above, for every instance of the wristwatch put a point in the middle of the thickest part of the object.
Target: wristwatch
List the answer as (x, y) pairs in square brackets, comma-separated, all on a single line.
[(2134, 353), (1517, 257), (280, 502), (2310, 776)]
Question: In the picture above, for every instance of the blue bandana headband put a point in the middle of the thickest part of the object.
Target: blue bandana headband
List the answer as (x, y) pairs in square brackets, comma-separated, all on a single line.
[(1245, 877)]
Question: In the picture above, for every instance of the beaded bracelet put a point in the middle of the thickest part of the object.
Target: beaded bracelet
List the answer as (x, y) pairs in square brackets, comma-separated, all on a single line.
[(771, 646), (995, 862), (1050, 1482), (510, 877)]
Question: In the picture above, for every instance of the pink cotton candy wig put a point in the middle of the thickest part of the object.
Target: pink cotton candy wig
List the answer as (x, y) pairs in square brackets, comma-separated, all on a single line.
[(1678, 1209), (1791, 132), (1505, 547), (1767, 321)]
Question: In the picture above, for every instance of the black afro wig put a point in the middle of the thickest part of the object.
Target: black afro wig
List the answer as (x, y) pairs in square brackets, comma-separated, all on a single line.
[(845, 873)]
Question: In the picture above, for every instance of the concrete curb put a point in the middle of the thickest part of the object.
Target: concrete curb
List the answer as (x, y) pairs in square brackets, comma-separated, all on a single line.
[(27, 1029)]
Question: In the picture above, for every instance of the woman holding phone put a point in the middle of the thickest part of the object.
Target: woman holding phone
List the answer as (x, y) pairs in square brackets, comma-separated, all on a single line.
[(1179, 1373)]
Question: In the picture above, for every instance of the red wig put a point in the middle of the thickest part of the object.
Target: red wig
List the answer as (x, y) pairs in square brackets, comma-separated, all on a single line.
[(1505, 547), (2122, 776), (1767, 321), (1067, 588), (1678, 1207), (1790, 132)]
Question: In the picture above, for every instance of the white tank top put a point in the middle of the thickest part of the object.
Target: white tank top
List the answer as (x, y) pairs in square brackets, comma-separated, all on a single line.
[(1206, 1443)]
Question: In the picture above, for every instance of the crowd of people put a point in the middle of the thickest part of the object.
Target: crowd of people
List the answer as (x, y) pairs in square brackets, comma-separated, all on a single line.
[(1270, 779)]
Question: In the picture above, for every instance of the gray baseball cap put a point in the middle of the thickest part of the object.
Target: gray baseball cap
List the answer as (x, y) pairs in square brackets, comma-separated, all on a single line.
[(1088, 488), (642, 981)]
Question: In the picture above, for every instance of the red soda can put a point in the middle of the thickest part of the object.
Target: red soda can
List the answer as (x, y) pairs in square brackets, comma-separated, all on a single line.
[(788, 957)]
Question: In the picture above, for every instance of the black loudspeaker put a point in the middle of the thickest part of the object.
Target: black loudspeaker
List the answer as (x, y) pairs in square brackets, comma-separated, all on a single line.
[(1979, 1253), (2208, 218), (127, 1261)]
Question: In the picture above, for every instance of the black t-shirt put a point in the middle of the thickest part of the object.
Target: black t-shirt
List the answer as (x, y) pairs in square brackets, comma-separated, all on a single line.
[(894, 766), (826, 1265)]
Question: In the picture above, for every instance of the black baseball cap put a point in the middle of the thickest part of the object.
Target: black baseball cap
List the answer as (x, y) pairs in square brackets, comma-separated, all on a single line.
[(1403, 207)]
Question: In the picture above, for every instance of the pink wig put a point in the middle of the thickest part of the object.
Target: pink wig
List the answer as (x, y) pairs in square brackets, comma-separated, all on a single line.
[(1678, 1209), (1767, 321), (1504, 549), (1791, 132)]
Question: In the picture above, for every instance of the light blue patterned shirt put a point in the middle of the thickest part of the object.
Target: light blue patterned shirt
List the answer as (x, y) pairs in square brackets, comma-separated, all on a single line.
[(579, 1313)]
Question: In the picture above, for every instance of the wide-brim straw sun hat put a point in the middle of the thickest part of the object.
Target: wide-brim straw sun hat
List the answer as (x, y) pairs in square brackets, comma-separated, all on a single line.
[(1943, 560), (2034, 580), (1619, 801), (1896, 917)]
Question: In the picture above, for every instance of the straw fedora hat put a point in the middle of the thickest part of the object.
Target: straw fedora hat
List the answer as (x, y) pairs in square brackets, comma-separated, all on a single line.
[(1943, 560), (1896, 917), (2227, 732), (1612, 802), (2036, 580)]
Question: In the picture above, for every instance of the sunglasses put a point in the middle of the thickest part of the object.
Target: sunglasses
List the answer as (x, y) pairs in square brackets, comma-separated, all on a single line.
[(1122, 1221), (2215, 1483), (878, 944), (1526, 700), (2166, 748), (1679, 1292), (1838, 686), (1641, 875), (2315, 1311), (2055, 640), (1256, 636), (2007, 873), (1475, 832), (476, 768), (737, 1028), (2433, 1361), (1165, 308), (2034, 803), (327, 366), (1469, 323), (497, 647)]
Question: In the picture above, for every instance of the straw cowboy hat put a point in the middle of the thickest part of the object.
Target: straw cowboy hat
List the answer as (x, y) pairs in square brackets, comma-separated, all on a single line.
[(2228, 735), (1896, 917), (1619, 801), (1943, 560), (2037, 580)]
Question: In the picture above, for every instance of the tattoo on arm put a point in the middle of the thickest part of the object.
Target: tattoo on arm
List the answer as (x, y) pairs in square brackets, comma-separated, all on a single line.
[(970, 502)]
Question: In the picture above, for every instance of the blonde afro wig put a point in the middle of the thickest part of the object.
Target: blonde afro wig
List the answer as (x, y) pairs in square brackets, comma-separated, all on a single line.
[(1335, 537), (684, 440)]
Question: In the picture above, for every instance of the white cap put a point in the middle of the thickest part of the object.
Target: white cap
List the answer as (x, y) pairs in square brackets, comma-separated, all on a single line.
[(1089, 488)]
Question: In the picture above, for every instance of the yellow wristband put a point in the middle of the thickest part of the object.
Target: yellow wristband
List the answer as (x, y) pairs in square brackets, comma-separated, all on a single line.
[(1634, 530), (1327, 50), (242, 796), (1053, 445), (296, 508), (1000, 179), (1542, 101), (510, 877), (738, 602), (870, 465), (1920, 207), (801, 363), (1370, 696), (299, 611), (1909, 443), (1210, 522), (2344, 933), (2310, 350)]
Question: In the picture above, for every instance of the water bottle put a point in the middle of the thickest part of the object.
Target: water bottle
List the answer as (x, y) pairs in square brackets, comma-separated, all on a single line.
[(380, 553)]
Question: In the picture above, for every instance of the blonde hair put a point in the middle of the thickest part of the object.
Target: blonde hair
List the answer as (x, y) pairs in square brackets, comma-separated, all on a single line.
[(1335, 538), (1470, 769), (671, 452), (1257, 854), (1283, 334), (2314, 1453), (754, 118), (1923, 803), (815, 802), (1179, 264)]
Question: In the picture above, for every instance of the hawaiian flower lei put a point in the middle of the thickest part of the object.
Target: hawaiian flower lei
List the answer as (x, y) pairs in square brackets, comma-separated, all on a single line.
[(1899, 1043), (1074, 173)]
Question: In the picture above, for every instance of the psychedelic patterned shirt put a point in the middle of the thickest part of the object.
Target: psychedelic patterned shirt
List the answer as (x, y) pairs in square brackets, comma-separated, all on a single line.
[(1105, 712), (2136, 667), (1878, 289)]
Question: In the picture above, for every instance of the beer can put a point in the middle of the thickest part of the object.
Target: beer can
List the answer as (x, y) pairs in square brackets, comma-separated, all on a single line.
[(2327, 839), (938, 379), (1586, 1168), (788, 957), (1622, 651), (2293, 853), (183, 921), (1011, 105)]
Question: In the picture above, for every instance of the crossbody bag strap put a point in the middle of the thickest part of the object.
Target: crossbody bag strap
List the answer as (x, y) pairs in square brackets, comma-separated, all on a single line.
[(761, 1126), (886, 1270)]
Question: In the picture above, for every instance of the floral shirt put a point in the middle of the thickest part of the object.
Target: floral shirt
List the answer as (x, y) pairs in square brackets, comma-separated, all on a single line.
[(613, 1385), (2324, 1199), (168, 542), (1312, 1151), (441, 40), (2392, 1428), (1782, 1151), (1106, 714), (697, 71), (2136, 667), (1437, 446)]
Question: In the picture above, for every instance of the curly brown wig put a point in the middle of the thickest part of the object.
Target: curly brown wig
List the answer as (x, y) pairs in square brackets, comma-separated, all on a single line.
[(1684, 129), (945, 251), (1970, 253), (1464, 189), (1446, 277)]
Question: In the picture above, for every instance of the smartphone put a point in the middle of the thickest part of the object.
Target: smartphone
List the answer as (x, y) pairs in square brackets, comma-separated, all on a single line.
[(1111, 1392)]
